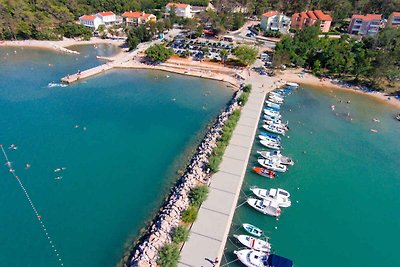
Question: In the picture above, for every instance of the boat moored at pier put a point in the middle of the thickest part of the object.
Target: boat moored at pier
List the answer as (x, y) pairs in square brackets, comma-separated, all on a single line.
[(279, 195), (266, 207)]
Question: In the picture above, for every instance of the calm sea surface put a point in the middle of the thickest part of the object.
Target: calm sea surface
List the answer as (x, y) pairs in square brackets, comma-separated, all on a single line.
[(344, 185), (134, 131)]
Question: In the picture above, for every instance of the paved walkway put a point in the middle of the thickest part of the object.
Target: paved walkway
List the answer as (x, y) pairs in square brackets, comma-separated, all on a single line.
[(209, 233)]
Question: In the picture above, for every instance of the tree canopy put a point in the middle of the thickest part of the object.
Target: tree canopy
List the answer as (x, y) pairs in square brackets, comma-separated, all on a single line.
[(159, 53), (376, 59), (246, 55)]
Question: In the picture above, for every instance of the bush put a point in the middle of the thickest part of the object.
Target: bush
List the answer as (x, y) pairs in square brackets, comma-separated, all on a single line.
[(243, 98), (247, 88), (168, 256), (198, 195), (189, 215), (181, 234), (227, 131)]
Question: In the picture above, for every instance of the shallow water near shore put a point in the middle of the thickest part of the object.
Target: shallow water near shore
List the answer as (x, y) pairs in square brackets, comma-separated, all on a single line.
[(344, 184), (134, 129)]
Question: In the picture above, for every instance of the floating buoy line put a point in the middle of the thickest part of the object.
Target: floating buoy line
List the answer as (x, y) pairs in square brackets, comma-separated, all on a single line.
[(38, 216)]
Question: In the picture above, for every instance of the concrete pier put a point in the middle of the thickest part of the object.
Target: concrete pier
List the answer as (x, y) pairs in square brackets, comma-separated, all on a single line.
[(209, 233), (87, 73)]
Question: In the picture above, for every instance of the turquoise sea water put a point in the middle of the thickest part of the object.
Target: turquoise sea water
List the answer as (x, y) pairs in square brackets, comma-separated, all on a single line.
[(344, 185), (139, 127)]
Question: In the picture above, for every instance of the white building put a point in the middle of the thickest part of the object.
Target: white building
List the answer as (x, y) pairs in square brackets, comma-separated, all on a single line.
[(181, 10), (107, 18), (275, 21), (91, 21)]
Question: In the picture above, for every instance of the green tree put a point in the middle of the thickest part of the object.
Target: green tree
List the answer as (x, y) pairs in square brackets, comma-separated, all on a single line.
[(159, 53), (246, 55), (223, 53), (168, 256), (132, 40)]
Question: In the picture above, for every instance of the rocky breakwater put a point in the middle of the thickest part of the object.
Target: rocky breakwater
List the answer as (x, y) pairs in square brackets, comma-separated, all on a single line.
[(145, 252)]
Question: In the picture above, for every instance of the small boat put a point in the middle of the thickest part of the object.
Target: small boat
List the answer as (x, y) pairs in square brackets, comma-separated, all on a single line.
[(374, 131), (253, 258), (277, 94), (271, 144), (251, 229), (276, 155), (57, 170), (277, 124), (272, 113), (58, 178), (50, 85), (275, 100), (254, 243), (272, 165), (265, 206), (276, 137), (267, 138), (273, 105), (398, 117), (12, 146), (268, 119), (279, 195), (271, 128), (265, 172), (272, 118), (295, 85)]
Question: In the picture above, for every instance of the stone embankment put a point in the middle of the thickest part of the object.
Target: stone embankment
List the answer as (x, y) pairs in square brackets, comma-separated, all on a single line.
[(145, 252)]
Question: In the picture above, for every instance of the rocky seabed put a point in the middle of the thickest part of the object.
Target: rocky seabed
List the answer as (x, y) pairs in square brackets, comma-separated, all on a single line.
[(145, 253)]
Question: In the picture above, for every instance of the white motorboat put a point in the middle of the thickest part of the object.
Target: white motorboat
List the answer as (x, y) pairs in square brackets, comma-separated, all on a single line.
[(272, 118), (272, 105), (279, 195), (277, 124), (276, 155), (254, 243), (253, 258), (295, 85), (50, 85), (272, 165), (276, 99), (271, 144), (268, 138), (265, 206), (273, 129), (272, 113)]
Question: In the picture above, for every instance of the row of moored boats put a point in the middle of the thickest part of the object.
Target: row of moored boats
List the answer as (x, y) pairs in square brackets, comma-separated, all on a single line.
[(267, 201)]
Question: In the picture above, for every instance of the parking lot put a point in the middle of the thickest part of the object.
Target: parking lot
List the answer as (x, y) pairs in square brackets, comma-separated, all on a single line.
[(196, 48)]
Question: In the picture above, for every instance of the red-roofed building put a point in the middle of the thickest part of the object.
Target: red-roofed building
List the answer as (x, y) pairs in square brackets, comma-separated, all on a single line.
[(181, 10), (108, 18), (137, 18), (90, 21), (394, 20), (369, 24), (309, 18), (275, 21)]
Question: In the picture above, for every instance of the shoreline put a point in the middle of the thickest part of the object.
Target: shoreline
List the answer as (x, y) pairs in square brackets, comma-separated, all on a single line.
[(59, 46), (326, 84)]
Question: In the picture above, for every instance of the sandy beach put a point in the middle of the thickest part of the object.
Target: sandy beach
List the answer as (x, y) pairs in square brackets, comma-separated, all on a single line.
[(300, 77), (59, 45)]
